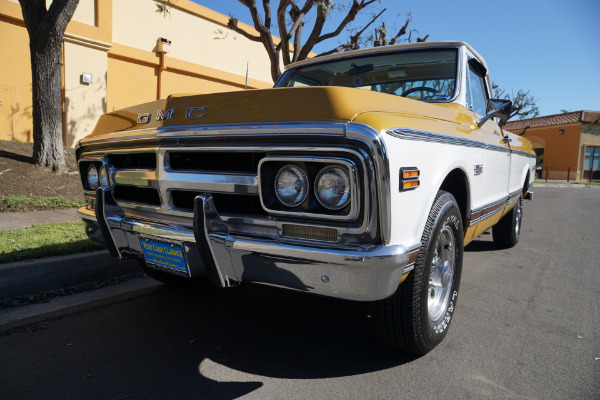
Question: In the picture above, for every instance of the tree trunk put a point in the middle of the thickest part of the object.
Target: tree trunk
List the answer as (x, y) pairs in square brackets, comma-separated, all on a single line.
[(46, 60), (46, 27)]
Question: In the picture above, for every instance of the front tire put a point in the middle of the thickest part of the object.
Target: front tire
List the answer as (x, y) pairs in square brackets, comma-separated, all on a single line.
[(416, 318), (507, 231)]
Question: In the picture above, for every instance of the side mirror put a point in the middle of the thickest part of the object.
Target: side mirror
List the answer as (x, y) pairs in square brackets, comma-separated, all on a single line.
[(496, 108)]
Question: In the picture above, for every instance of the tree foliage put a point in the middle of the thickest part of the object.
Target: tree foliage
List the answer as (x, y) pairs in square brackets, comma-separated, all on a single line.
[(46, 27), (524, 104)]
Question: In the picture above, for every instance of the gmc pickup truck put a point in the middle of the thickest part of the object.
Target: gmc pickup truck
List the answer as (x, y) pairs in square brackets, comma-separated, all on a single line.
[(360, 175)]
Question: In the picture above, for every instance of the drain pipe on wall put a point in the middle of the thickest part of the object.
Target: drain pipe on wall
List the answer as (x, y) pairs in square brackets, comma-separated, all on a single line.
[(246, 84), (161, 45)]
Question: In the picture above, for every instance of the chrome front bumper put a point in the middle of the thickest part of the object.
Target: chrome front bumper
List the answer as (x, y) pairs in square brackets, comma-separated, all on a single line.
[(211, 250)]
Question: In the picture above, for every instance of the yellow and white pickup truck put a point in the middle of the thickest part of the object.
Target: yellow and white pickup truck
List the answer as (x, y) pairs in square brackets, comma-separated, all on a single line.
[(360, 176)]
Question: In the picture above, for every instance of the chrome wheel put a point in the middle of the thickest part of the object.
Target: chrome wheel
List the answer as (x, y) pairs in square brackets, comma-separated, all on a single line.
[(441, 274), (518, 217)]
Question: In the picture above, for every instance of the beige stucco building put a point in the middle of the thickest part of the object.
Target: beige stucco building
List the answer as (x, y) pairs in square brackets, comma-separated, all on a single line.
[(114, 44)]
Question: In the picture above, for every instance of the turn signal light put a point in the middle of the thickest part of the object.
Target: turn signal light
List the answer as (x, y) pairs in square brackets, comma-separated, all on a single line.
[(410, 174), (410, 185), (409, 178)]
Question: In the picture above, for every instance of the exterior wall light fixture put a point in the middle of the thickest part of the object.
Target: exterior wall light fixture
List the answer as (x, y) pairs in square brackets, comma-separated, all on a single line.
[(86, 78), (162, 44)]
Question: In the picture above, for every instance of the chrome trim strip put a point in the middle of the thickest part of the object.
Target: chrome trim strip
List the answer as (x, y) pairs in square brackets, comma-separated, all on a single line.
[(210, 182), (488, 210), (374, 142), (523, 153), (131, 137), (412, 134), (412, 258), (134, 177)]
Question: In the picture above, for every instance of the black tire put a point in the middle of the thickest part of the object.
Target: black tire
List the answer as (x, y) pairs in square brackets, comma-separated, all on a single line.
[(416, 318), (507, 231)]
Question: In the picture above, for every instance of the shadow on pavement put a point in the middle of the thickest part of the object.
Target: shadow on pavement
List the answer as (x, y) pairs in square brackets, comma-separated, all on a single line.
[(199, 342)]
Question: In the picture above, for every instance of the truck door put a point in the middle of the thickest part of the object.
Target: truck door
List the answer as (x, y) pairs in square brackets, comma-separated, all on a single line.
[(496, 168)]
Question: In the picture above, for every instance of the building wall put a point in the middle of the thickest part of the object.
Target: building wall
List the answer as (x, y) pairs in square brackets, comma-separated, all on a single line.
[(115, 41), (560, 151), (84, 102), (197, 34), (15, 78)]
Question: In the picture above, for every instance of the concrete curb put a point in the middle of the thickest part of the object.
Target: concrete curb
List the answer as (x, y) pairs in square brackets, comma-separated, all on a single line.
[(25, 278), (563, 185)]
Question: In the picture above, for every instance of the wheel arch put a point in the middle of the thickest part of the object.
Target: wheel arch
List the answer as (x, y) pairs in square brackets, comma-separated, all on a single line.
[(526, 183), (457, 184)]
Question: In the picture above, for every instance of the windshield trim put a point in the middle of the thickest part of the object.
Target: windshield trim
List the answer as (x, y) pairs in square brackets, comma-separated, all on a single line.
[(382, 50)]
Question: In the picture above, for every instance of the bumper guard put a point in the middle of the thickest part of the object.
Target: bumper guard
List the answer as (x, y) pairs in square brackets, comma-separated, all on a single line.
[(366, 274)]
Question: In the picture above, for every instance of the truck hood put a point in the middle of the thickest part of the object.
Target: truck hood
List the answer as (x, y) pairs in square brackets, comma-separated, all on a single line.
[(267, 106)]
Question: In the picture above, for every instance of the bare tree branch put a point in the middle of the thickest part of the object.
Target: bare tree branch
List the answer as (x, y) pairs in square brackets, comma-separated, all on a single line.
[(233, 25), (401, 32), (524, 104), (267, 7), (289, 14)]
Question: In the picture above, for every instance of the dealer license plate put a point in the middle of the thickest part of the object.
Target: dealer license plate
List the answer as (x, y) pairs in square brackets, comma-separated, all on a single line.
[(165, 256)]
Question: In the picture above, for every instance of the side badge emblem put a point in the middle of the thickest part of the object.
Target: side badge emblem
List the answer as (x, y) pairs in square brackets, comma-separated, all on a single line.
[(478, 169)]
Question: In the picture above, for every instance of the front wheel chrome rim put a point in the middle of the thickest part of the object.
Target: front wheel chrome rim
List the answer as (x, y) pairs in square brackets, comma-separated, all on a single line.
[(441, 274)]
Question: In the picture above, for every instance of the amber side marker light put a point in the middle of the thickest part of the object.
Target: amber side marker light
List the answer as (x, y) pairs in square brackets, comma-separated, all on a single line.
[(409, 178)]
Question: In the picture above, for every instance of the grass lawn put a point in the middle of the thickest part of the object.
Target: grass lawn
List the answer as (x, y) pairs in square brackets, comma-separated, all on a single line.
[(23, 203), (587, 182), (44, 241)]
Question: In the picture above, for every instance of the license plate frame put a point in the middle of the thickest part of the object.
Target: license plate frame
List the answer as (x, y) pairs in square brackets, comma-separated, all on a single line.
[(165, 255)]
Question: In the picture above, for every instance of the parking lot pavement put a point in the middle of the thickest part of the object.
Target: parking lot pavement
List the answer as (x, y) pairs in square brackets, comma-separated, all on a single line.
[(527, 326)]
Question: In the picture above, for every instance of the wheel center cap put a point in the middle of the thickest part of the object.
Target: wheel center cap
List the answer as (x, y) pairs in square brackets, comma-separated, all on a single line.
[(446, 274)]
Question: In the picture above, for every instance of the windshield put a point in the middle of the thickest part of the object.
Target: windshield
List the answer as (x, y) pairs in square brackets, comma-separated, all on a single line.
[(428, 75)]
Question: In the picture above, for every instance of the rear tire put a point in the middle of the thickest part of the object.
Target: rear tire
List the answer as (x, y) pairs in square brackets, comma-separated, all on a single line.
[(507, 231), (416, 318)]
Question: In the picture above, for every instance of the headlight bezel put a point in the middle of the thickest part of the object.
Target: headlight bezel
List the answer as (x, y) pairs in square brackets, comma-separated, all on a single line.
[(103, 173), (311, 208), (98, 167)]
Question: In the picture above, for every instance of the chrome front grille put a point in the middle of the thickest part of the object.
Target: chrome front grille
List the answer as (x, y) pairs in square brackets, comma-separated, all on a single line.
[(165, 193)]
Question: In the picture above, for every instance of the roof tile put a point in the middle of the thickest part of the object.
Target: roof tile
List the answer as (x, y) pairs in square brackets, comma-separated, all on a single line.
[(556, 119)]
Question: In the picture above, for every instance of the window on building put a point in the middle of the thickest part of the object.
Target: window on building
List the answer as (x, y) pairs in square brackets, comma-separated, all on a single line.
[(591, 162)]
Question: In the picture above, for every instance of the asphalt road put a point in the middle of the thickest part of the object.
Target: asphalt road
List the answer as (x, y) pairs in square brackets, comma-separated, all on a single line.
[(527, 327)]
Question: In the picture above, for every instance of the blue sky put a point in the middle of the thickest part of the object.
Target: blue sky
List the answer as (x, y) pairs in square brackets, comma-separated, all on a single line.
[(551, 47)]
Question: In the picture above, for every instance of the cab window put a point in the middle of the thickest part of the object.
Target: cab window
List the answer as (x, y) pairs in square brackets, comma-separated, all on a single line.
[(476, 94)]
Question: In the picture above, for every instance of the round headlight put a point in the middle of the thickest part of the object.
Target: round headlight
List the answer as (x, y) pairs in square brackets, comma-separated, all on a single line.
[(92, 177), (103, 176), (332, 187), (291, 185)]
